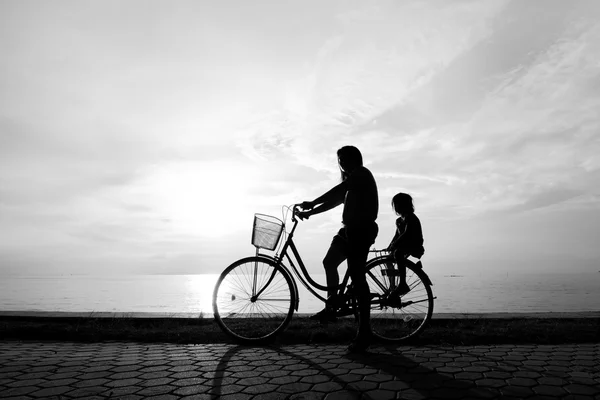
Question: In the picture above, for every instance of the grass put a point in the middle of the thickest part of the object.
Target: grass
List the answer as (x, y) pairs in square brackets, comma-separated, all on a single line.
[(300, 331)]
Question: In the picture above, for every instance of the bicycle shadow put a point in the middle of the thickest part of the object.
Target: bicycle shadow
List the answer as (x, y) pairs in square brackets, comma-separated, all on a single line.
[(221, 370), (402, 375)]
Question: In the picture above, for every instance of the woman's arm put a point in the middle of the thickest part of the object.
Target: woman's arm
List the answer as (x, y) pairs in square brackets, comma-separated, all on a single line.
[(326, 206), (331, 199), (334, 196)]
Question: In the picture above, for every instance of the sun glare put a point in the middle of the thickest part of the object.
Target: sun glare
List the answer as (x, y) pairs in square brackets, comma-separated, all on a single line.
[(205, 198)]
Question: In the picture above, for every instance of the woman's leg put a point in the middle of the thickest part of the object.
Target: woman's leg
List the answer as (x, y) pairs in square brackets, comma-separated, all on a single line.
[(334, 257), (357, 259), (359, 242)]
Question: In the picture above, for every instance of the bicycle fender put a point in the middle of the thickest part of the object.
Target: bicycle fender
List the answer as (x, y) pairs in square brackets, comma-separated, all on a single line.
[(425, 276)]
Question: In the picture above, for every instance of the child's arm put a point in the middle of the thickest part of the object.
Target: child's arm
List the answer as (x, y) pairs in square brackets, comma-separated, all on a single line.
[(393, 242)]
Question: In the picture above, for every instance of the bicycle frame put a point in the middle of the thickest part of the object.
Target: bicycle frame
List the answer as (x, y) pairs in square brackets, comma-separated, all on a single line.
[(301, 272)]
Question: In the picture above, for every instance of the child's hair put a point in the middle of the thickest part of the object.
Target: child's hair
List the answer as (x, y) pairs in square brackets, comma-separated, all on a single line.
[(402, 203)]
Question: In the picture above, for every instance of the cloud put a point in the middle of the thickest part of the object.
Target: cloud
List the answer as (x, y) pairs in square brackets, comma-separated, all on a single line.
[(506, 131), (378, 58), (546, 198), (117, 145)]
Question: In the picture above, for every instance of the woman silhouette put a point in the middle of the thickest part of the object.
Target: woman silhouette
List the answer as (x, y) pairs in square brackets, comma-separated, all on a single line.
[(358, 193)]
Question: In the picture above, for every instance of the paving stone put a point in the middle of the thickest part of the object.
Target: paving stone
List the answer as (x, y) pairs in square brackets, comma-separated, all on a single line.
[(497, 375), (90, 382), (315, 379), (124, 375), (275, 374), (230, 389), (17, 391), (516, 391), (446, 394), (156, 390), (254, 381), (483, 393), (156, 382), (87, 391), (377, 378), (487, 382), (449, 370), (187, 374), (346, 395), (363, 386), (163, 397), (260, 389), (297, 387), (327, 387), (49, 392), (354, 378), (192, 389), (26, 382), (154, 375), (282, 380), (28, 376), (394, 385), (582, 390), (123, 382), (548, 390), (469, 376), (57, 382), (64, 375), (126, 368), (527, 382)]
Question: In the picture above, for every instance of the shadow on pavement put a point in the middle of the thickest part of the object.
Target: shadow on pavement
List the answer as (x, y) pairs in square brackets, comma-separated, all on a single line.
[(348, 373), (415, 377), (276, 353)]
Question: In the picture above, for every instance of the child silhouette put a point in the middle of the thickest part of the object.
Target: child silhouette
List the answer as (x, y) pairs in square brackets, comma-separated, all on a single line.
[(408, 238)]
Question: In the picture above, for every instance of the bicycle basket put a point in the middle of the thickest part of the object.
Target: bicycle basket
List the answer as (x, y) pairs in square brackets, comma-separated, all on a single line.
[(266, 232)]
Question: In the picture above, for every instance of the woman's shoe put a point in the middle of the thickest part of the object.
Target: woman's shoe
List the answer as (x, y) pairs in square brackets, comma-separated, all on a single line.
[(325, 315), (360, 344)]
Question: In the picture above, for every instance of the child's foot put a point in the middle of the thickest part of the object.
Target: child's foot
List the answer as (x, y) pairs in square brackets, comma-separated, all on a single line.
[(395, 298), (403, 288)]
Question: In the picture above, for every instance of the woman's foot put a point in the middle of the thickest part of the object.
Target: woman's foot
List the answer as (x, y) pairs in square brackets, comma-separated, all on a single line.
[(360, 343), (325, 315)]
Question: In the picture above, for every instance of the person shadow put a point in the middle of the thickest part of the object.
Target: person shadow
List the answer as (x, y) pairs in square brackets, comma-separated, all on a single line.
[(419, 379), (350, 375)]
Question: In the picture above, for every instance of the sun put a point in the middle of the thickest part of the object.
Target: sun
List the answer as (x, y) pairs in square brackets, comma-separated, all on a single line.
[(208, 199)]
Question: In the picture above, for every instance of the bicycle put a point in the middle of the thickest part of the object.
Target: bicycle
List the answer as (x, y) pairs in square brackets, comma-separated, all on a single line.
[(254, 298)]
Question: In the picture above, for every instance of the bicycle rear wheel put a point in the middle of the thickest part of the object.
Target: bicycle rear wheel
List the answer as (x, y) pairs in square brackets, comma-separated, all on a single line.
[(395, 318), (254, 300)]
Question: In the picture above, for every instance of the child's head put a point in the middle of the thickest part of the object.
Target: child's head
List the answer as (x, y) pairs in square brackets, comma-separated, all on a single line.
[(402, 203)]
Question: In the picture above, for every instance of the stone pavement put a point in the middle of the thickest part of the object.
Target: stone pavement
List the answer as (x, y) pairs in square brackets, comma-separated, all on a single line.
[(119, 370)]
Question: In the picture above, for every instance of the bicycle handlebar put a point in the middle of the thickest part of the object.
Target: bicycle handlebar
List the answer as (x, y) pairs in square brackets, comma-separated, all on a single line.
[(295, 210)]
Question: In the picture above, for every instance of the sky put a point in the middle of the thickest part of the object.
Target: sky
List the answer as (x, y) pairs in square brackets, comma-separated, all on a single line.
[(140, 137)]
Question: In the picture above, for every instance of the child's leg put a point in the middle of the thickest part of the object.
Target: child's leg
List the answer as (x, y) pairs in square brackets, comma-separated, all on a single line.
[(401, 263)]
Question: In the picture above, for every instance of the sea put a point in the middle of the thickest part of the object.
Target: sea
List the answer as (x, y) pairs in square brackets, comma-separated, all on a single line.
[(191, 294)]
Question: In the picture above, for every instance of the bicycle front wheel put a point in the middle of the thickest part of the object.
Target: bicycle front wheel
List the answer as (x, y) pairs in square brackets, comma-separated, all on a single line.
[(254, 300), (395, 318)]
